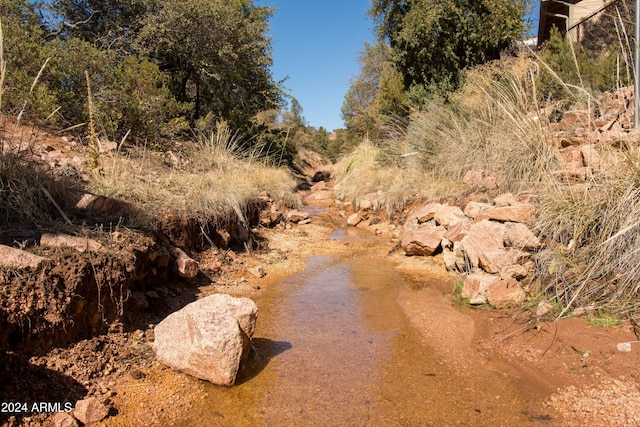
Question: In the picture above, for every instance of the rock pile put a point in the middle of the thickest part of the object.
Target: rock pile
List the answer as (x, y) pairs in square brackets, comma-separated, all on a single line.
[(582, 137), (490, 243)]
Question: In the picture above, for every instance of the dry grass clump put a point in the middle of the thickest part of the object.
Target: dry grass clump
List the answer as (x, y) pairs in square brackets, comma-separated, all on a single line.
[(219, 183), (27, 195), (391, 171), (597, 226), (485, 126)]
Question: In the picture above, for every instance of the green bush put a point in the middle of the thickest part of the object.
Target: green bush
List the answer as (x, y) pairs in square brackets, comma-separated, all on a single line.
[(138, 99), (25, 54), (566, 65)]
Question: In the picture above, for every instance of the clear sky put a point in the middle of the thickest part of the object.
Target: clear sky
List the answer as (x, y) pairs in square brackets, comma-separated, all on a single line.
[(316, 45)]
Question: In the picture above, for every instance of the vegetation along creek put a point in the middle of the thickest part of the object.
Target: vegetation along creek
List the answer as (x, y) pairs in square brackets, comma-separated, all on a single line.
[(181, 246)]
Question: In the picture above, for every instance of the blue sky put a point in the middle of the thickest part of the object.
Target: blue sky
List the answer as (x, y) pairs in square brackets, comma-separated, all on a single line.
[(316, 45)]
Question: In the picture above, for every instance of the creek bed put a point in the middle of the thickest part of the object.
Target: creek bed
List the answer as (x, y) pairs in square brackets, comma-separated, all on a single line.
[(334, 346)]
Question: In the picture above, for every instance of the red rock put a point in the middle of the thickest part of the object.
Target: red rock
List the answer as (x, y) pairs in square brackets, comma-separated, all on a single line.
[(494, 260), (591, 157), (482, 236), (422, 240), (458, 231), (505, 293), (89, 411), (319, 195), (475, 286), (354, 219), (506, 199), (574, 118), (492, 181), (473, 177), (64, 419), (523, 212), (16, 258), (425, 213), (571, 155), (208, 338), (520, 237), (449, 216), (318, 186), (474, 208), (297, 216), (515, 271), (365, 204)]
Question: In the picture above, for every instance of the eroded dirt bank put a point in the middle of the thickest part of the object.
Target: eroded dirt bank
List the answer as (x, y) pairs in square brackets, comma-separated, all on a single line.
[(518, 372)]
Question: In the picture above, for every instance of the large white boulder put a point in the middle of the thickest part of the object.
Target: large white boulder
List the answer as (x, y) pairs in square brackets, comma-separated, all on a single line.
[(208, 338)]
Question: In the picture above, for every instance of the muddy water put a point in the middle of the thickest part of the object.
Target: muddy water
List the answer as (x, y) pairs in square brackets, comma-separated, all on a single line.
[(334, 347)]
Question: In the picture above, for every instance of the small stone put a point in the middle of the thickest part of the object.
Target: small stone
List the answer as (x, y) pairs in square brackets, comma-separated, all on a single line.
[(318, 186), (624, 347), (354, 220), (90, 410), (64, 419), (544, 307), (506, 199), (258, 272), (365, 204), (297, 216)]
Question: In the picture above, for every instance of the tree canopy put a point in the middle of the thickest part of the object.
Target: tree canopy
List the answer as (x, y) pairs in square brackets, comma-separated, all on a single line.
[(432, 41), (154, 65), (375, 93), (217, 53)]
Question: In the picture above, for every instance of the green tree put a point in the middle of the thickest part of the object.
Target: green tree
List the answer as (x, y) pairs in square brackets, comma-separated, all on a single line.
[(217, 53), (375, 94), (433, 41), (25, 53), (110, 24), (596, 69)]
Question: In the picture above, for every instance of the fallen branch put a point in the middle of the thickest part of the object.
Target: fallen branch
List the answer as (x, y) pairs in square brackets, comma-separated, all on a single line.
[(182, 264)]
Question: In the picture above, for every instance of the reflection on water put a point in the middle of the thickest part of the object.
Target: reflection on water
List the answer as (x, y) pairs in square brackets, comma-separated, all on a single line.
[(349, 233), (314, 210), (333, 348)]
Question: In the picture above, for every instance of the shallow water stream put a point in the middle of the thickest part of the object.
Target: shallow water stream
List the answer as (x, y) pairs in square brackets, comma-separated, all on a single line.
[(334, 347)]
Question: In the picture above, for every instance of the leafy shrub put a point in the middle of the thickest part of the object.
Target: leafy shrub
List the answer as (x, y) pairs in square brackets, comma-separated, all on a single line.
[(138, 99), (568, 66), (23, 43)]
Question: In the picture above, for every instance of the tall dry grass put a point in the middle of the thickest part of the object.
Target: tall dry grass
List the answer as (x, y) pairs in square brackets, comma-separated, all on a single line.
[(596, 230), (368, 170), (220, 180), (484, 126), (487, 125)]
